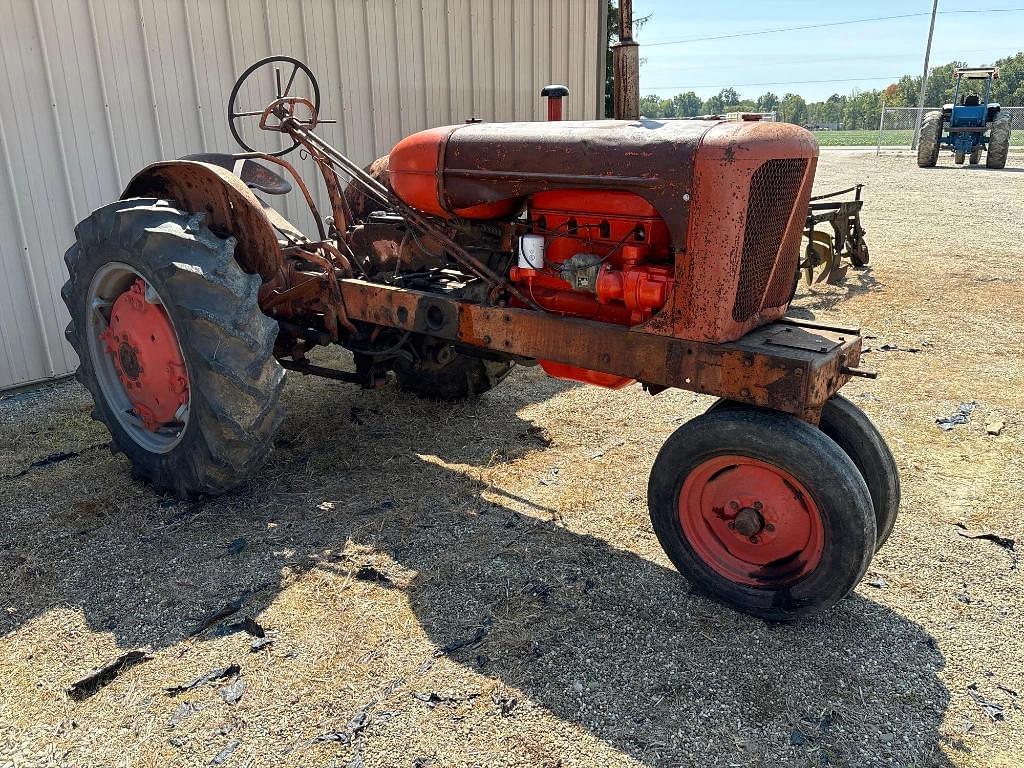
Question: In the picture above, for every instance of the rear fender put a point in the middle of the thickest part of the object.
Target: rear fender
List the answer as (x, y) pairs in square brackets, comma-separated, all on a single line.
[(231, 208)]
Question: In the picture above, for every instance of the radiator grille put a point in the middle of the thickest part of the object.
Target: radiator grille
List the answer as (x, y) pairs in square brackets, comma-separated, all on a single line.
[(773, 190)]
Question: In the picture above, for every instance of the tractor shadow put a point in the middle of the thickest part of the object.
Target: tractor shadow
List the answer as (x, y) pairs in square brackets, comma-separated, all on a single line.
[(606, 640), (809, 301)]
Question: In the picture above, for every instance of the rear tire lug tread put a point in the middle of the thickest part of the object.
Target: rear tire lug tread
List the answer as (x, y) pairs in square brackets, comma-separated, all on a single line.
[(224, 445)]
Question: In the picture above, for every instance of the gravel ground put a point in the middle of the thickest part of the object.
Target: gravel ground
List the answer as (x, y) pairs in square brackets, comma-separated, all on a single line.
[(479, 585)]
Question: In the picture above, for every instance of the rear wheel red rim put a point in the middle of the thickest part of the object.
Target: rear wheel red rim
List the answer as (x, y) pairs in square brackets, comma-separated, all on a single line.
[(146, 354), (137, 358), (751, 522)]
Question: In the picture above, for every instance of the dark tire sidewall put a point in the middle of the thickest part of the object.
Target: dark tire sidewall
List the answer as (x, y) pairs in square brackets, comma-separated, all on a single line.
[(158, 241), (851, 429), (838, 491), (161, 464), (929, 140)]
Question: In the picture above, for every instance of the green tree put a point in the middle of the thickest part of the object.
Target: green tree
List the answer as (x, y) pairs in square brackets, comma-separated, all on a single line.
[(613, 37), (650, 106), (862, 109), (1009, 88), (905, 92), (940, 86), (686, 104), (793, 109), (713, 105), (857, 110), (831, 111), (729, 98), (769, 102)]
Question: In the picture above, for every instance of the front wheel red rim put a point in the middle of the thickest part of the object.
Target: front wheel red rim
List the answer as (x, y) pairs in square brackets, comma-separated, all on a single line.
[(751, 522)]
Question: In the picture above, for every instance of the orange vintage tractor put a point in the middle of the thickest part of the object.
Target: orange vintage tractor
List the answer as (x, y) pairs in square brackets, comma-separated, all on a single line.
[(607, 252)]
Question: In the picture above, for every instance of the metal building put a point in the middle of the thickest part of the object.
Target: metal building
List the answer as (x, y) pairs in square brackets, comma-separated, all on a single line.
[(93, 90)]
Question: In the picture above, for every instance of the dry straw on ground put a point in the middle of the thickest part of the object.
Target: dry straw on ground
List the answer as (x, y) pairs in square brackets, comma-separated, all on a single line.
[(479, 584)]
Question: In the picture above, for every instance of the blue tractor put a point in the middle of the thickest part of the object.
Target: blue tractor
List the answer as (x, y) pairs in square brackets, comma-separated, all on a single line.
[(967, 126)]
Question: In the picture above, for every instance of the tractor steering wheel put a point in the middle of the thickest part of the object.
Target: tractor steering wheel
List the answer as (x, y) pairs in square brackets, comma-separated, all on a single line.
[(281, 90)]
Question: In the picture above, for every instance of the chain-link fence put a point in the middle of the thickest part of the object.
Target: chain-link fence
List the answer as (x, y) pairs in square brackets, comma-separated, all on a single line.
[(896, 127)]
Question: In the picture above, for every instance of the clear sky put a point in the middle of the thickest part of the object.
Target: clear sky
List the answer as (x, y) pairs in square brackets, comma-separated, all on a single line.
[(863, 56)]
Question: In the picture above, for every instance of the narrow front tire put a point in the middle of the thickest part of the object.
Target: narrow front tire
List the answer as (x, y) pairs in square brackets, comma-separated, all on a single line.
[(762, 512)]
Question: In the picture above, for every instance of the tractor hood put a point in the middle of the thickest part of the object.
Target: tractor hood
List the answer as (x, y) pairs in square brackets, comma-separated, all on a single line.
[(487, 170)]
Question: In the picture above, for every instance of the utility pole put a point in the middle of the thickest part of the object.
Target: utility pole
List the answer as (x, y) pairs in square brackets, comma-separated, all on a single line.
[(924, 76), (626, 67)]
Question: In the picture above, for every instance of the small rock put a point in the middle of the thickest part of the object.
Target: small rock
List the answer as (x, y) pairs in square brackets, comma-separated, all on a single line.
[(991, 708), (216, 674), (224, 754), (797, 738), (184, 710), (577, 687), (232, 692), (962, 415), (994, 427)]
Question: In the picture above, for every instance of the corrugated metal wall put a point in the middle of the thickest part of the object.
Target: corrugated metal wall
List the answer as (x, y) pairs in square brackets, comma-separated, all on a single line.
[(93, 90)]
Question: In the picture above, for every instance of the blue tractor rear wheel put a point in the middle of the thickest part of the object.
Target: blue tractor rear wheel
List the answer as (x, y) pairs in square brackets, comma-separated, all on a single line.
[(998, 142), (928, 140)]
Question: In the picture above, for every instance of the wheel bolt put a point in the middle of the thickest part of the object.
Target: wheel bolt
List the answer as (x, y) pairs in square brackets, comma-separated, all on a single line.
[(734, 505), (769, 527), (758, 506), (754, 539), (732, 525)]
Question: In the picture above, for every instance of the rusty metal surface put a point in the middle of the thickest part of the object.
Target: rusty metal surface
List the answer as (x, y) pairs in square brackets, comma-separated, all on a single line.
[(489, 162), (796, 378), (626, 67), (252, 173), (231, 207), (321, 150), (708, 275), (360, 204), (302, 187), (626, 80)]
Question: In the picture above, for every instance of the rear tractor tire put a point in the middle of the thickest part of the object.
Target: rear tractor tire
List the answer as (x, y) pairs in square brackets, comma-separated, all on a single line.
[(928, 140), (762, 512), (172, 346), (998, 143)]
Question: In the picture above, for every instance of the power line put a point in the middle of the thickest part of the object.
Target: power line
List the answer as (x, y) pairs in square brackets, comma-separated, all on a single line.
[(773, 82), (830, 60), (754, 33)]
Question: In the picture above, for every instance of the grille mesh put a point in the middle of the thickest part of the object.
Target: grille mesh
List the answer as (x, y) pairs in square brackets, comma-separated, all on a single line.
[(773, 190)]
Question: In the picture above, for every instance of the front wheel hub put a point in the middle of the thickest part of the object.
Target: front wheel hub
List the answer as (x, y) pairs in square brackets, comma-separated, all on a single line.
[(751, 521), (146, 357), (748, 522)]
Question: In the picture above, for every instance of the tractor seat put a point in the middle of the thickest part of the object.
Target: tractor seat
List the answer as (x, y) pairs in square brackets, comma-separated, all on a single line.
[(255, 175), (972, 100)]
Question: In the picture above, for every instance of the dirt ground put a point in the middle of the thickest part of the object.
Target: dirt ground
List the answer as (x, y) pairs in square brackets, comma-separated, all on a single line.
[(479, 585)]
